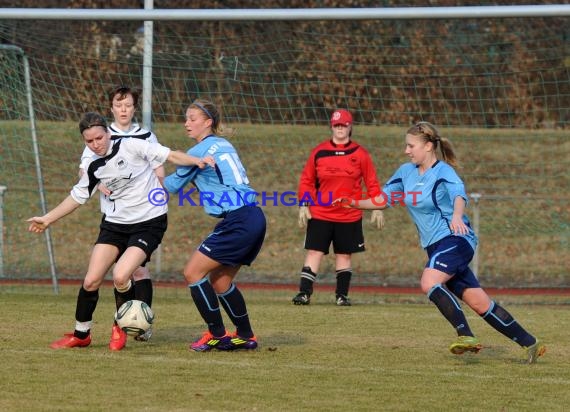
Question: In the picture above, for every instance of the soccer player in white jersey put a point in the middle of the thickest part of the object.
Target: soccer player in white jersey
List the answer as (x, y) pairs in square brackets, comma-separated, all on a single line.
[(123, 102), (236, 240), (435, 198), (133, 223)]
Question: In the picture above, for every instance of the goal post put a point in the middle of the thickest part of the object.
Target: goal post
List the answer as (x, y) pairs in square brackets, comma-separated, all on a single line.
[(20, 93), (498, 87)]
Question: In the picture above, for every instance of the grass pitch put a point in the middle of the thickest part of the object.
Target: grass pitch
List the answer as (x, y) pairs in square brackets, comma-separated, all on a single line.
[(385, 353)]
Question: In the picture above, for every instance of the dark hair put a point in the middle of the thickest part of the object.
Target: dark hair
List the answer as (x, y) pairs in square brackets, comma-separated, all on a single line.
[(122, 92), (429, 133), (210, 111), (91, 119)]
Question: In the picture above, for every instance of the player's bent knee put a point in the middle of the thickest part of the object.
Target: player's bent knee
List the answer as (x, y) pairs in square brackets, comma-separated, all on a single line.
[(122, 282), (427, 285), (192, 277), (92, 285)]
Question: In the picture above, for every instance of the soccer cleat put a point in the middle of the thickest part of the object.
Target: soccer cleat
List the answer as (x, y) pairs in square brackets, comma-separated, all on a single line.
[(302, 298), (342, 300), (118, 338), (465, 344), (533, 352), (242, 343), (144, 337), (209, 341), (71, 341)]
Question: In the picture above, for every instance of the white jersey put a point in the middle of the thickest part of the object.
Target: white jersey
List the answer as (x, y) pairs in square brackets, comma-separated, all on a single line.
[(126, 170), (135, 131)]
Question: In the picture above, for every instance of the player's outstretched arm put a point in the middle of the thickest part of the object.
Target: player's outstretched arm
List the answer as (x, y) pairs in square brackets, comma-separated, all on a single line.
[(183, 159), (374, 203), (40, 223)]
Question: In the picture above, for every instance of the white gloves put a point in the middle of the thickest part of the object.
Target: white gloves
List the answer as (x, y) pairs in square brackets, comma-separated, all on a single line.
[(377, 219), (304, 215)]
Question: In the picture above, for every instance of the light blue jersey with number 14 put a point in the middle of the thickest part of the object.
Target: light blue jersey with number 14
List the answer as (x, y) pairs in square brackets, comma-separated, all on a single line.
[(221, 189)]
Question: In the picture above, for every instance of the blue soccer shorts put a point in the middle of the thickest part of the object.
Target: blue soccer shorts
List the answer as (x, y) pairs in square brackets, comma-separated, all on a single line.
[(237, 239), (452, 255)]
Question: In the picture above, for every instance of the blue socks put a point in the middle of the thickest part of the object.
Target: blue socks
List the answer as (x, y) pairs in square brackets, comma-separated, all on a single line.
[(207, 303), (503, 322), (496, 316), (234, 304), (450, 309)]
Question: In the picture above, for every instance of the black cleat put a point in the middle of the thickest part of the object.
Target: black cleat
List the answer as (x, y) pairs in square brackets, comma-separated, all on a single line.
[(302, 298), (342, 300)]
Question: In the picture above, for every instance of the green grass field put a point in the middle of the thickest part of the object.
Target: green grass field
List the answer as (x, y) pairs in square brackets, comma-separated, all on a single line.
[(385, 353)]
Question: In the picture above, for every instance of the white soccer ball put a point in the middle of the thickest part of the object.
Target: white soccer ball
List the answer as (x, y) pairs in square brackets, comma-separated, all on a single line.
[(134, 317)]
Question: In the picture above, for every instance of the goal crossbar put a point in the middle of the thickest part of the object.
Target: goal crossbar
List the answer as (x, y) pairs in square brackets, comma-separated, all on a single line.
[(369, 13)]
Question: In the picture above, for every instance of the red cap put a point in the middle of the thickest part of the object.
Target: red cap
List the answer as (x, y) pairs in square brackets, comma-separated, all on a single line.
[(341, 116)]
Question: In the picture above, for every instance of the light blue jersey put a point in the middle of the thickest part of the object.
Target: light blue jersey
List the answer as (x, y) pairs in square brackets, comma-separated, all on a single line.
[(221, 189), (429, 199)]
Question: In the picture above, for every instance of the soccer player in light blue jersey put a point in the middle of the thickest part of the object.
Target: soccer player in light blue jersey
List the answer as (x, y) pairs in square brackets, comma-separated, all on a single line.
[(435, 198), (236, 240)]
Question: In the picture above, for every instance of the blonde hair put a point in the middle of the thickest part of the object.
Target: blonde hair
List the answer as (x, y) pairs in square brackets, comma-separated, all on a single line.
[(429, 133), (210, 111)]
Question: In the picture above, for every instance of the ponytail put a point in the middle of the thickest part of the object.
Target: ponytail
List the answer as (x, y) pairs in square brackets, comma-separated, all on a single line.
[(429, 133)]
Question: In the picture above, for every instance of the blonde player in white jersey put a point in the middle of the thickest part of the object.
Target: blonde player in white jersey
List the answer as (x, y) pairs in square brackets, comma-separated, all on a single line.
[(133, 223), (123, 102)]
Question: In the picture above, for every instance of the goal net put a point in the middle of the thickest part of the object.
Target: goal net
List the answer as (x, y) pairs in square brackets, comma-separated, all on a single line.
[(498, 88)]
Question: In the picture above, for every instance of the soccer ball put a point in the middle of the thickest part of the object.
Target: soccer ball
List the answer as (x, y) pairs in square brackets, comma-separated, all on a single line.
[(134, 317)]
